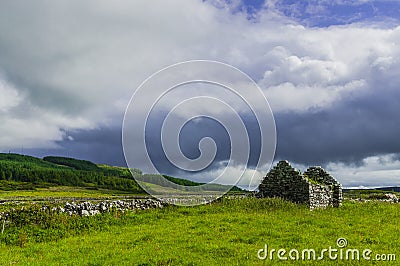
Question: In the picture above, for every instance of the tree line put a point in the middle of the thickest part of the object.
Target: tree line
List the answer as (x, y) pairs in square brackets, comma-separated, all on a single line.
[(29, 169)]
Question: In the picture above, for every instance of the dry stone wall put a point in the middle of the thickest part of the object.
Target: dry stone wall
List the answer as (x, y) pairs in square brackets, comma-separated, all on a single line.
[(315, 187), (332, 187)]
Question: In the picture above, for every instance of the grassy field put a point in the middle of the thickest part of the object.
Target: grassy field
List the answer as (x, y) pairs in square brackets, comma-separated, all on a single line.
[(227, 232), (62, 192)]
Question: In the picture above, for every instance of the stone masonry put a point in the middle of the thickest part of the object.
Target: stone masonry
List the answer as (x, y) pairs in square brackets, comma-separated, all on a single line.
[(315, 187)]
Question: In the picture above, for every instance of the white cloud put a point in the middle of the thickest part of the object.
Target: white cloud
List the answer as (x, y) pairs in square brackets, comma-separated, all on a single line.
[(288, 97), (9, 96), (239, 175), (39, 130), (94, 57), (375, 171), (29, 126), (317, 67)]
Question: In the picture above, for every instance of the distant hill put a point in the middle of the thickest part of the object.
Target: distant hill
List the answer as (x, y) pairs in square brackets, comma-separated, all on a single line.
[(74, 163), (33, 172), (185, 182), (372, 190), (63, 171), (26, 160), (392, 189)]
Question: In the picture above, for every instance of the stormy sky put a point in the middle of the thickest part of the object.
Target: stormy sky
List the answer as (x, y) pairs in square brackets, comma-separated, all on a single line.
[(329, 69)]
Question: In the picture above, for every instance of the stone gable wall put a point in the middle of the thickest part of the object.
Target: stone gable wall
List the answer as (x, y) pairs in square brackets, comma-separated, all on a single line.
[(284, 181), (332, 187), (320, 196)]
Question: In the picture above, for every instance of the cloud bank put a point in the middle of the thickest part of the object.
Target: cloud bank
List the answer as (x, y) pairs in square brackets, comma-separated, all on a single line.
[(69, 68)]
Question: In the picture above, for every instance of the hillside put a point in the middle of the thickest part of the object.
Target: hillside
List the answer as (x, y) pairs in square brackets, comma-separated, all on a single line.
[(27, 172), (73, 163), (31, 172)]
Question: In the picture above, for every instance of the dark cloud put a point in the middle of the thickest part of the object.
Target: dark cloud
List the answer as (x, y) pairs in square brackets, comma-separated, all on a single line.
[(349, 131), (102, 145), (190, 137)]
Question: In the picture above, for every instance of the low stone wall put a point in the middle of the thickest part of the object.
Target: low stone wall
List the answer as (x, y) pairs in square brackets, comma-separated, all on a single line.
[(88, 209)]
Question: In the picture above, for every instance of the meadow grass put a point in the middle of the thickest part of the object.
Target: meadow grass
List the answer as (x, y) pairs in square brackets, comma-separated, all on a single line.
[(227, 232), (62, 192)]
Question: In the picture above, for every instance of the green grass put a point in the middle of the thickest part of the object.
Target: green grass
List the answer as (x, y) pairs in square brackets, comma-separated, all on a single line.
[(368, 194), (227, 232), (62, 192)]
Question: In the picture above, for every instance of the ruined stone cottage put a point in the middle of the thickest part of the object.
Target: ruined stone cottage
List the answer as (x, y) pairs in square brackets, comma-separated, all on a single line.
[(315, 187)]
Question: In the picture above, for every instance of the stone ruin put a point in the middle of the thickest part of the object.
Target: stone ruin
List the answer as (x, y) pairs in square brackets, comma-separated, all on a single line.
[(315, 187)]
